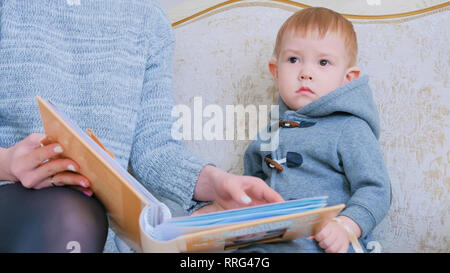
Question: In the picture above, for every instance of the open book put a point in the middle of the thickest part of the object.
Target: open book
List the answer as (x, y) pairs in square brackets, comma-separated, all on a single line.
[(145, 223)]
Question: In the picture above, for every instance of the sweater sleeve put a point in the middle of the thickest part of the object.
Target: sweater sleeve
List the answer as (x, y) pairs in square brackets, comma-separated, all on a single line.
[(366, 172), (160, 162)]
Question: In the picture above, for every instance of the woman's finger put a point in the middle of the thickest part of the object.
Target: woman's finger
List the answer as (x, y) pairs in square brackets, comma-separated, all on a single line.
[(258, 189), (85, 191), (33, 141), (41, 154), (52, 182), (35, 177), (44, 141), (232, 187), (65, 179), (54, 167)]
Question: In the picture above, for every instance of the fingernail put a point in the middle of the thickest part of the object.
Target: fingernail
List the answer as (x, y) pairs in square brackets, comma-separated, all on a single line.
[(71, 168), (246, 199), (83, 183), (58, 149), (41, 139), (87, 193)]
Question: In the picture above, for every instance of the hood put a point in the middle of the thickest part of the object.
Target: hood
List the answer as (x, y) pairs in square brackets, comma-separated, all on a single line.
[(354, 98)]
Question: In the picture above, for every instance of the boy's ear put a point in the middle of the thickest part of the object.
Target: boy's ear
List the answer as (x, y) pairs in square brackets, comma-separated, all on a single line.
[(352, 74), (273, 67)]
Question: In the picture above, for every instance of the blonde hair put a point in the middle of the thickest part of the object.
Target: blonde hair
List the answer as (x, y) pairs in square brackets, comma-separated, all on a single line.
[(323, 20)]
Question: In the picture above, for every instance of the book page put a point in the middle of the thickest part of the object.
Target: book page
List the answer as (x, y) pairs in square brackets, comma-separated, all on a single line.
[(175, 227)]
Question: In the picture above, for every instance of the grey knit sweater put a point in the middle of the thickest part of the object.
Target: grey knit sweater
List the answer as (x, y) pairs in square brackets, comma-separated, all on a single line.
[(108, 66)]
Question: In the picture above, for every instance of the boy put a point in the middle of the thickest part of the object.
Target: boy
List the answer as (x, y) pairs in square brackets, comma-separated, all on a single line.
[(328, 131)]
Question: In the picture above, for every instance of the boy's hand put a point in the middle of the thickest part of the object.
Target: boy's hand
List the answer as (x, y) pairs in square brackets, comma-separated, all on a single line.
[(37, 167), (333, 238), (231, 191)]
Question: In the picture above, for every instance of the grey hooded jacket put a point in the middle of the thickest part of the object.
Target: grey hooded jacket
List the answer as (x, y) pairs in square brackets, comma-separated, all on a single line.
[(330, 147)]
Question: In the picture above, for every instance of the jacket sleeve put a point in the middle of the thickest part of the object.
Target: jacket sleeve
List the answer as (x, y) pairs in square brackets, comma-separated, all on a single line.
[(160, 162), (364, 167)]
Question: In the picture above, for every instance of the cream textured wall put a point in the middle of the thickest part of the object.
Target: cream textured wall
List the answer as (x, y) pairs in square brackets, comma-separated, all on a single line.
[(223, 58)]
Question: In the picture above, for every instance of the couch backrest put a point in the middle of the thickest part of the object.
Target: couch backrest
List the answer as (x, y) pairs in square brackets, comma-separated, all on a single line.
[(221, 58)]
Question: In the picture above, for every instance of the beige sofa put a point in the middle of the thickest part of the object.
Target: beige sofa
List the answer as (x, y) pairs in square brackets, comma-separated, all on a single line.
[(223, 48)]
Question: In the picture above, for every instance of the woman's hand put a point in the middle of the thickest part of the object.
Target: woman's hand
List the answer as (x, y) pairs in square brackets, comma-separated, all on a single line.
[(36, 166), (214, 207), (231, 191)]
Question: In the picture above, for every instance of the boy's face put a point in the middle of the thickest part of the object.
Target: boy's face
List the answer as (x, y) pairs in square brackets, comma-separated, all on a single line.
[(310, 67)]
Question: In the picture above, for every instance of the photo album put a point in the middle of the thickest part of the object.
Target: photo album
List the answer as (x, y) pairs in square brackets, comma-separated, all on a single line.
[(145, 224)]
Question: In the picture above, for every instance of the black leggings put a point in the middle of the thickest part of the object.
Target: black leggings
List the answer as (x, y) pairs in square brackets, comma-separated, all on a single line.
[(55, 219)]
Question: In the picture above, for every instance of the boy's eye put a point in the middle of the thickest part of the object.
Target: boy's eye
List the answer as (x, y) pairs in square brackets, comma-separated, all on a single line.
[(324, 62), (293, 60)]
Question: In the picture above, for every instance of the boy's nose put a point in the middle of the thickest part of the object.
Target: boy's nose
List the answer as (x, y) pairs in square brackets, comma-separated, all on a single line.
[(305, 76)]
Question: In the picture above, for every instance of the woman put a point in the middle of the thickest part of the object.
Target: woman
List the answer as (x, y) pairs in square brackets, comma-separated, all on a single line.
[(109, 64)]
